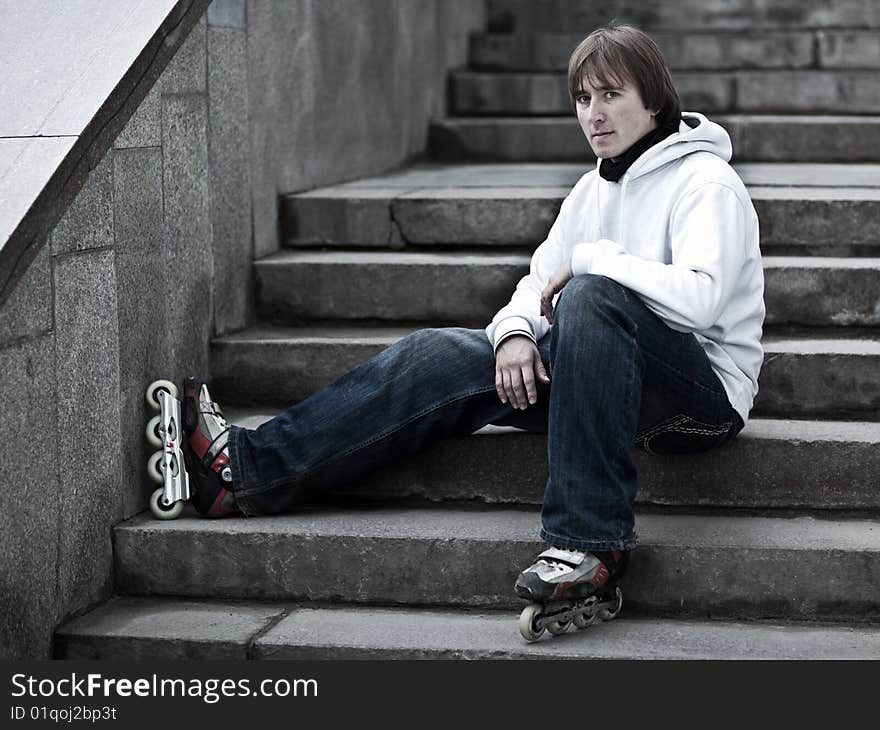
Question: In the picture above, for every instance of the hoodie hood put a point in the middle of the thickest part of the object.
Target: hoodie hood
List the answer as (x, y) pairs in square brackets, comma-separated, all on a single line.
[(695, 134)]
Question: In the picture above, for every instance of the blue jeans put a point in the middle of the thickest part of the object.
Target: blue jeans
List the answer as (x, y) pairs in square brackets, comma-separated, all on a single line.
[(618, 376)]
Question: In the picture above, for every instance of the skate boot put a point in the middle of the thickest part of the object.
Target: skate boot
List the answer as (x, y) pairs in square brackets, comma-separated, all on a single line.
[(192, 463), (570, 587), (206, 452)]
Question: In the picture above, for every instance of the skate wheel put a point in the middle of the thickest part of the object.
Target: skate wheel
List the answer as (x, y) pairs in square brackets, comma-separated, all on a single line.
[(154, 438), (530, 627), (153, 392), (558, 627), (609, 614), (154, 468), (160, 510), (583, 621)]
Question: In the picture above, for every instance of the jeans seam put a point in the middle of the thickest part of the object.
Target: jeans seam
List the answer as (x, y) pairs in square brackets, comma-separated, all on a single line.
[(286, 480)]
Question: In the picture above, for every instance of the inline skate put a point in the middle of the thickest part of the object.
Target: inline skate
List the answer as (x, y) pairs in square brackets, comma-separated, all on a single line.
[(570, 587), (192, 463)]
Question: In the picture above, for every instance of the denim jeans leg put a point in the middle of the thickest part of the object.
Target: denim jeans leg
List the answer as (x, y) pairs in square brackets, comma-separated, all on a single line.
[(618, 372), (429, 385)]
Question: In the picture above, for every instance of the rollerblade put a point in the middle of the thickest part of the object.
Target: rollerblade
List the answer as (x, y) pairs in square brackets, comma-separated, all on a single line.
[(570, 587), (193, 464)]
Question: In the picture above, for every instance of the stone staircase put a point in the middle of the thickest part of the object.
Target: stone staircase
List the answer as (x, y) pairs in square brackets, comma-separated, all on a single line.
[(766, 548)]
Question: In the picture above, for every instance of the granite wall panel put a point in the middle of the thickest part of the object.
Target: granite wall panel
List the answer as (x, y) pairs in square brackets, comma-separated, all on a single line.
[(188, 255), (30, 499), (141, 278), (88, 441), (230, 178)]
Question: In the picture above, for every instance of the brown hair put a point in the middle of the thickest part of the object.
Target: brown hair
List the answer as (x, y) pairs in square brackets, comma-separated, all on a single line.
[(609, 56)]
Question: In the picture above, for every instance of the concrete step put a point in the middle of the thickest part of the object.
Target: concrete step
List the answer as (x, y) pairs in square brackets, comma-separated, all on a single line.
[(691, 51), (709, 92), (298, 287), (686, 565), (756, 138), (157, 628), (824, 209), (280, 365), (507, 16), (819, 465)]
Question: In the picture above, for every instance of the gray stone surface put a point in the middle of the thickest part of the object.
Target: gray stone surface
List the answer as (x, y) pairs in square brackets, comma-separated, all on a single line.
[(141, 278), (28, 311), (145, 628), (187, 71), (25, 166), (256, 365), (817, 216), (110, 59), (761, 138), (493, 204), (690, 51), (443, 215), (300, 286), (547, 93), (821, 379), (187, 296), (381, 633), (227, 14), (823, 465), (563, 15), (519, 93), (798, 92), (809, 92), (359, 217), (799, 378), (822, 291), (811, 138), (87, 372), (88, 222), (305, 130), (144, 128), (63, 65), (706, 92), (230, 177), (506, 139), (30, 499), (842, 49), (133, 629), (686, 565), (469, 287), (362, 217)]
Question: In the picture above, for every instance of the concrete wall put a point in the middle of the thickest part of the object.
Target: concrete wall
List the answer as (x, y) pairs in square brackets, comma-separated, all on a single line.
[(340, 89), (154, 254)]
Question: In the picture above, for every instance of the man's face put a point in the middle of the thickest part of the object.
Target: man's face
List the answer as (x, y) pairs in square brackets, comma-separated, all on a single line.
[(613, 118)]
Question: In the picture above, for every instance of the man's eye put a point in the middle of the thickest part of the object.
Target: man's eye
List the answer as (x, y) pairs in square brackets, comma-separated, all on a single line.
[(583, 99), (610, 94)]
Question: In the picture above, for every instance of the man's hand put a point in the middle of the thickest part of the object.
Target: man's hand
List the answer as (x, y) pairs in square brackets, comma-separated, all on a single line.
[(517, 363), (558, 279)]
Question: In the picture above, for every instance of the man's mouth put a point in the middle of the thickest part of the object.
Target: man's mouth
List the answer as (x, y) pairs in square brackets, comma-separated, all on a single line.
[(599, 135)]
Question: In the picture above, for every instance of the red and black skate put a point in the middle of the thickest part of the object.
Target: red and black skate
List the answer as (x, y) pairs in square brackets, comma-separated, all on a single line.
[(206, 452)]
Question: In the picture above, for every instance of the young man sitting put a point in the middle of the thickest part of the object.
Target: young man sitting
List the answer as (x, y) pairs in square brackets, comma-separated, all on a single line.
[(639, 322)]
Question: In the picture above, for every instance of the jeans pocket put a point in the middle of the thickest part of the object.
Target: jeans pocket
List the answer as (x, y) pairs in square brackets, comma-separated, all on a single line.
[(683, 435)]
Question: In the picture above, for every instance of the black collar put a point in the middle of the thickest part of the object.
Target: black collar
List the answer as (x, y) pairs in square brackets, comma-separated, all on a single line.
[(613, 170)]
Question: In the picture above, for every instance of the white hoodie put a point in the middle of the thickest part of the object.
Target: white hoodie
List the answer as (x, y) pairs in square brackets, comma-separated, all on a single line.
[(680, 230)]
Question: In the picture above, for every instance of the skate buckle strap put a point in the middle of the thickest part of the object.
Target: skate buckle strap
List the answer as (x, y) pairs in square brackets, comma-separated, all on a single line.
[(570, 557), (215, 449)]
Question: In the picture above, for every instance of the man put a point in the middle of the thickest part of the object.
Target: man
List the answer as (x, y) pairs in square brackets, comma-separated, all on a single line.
[(639, 322)]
